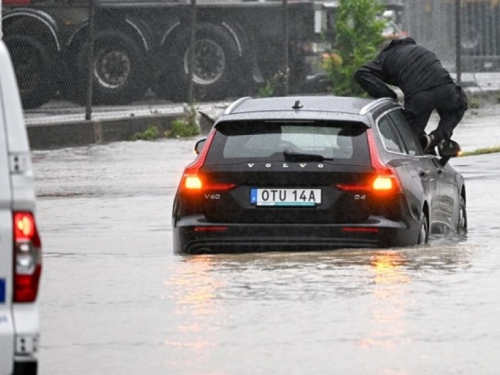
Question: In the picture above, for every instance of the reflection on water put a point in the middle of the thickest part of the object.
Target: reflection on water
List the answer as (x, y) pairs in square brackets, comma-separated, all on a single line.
[(353, 301), (114, 299), (193, 292), (388, 308), (194, 284)]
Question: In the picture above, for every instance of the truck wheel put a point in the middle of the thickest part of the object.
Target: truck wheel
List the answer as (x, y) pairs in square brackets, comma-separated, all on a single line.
[(215, 65), (34, 70), (119, 68)]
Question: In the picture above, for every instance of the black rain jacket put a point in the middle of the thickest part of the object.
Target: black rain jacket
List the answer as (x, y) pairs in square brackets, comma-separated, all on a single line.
[(404, 64)]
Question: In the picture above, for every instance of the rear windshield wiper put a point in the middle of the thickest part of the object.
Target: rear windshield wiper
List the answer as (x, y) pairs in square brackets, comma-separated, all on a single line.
[(292, 156)]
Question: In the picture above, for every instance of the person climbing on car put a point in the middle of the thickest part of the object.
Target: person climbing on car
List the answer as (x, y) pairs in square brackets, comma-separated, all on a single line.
[(425, 83)]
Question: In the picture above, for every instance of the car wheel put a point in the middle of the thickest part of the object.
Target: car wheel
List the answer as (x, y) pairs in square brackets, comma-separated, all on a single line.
[(215, 62), (462, 217), (119, 68), (34, 70), (423, 234)]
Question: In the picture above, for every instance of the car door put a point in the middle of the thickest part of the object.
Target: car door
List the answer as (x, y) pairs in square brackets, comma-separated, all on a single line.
[(450, 193), (429, 170), (6, 255), (407, 167)]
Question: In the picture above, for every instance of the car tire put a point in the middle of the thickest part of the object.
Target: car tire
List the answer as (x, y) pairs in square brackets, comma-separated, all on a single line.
[(119, 69), (462, 217), (34, 70), (214, 75), (423, 233)]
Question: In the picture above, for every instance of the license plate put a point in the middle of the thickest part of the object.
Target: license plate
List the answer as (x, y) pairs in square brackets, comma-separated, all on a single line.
[(285, 197)]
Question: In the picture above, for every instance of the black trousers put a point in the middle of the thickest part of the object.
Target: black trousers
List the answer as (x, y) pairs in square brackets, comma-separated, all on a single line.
[(448, 100)]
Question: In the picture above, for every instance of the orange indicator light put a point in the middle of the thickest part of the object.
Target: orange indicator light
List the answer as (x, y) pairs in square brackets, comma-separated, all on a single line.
[(193, 182), (382, 183)]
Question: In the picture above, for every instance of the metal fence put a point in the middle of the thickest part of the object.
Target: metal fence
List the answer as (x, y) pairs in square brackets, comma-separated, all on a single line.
[(151, 50), (144, 54), (432, 23)]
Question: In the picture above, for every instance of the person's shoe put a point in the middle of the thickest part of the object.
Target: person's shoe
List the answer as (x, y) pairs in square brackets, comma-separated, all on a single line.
[(428, 142)]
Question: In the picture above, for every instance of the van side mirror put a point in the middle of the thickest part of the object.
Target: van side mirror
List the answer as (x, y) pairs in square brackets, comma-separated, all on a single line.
[(199, 146), (448, 149)]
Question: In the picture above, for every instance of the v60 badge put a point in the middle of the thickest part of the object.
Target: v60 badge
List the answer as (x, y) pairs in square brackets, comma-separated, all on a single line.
[(212, 196)]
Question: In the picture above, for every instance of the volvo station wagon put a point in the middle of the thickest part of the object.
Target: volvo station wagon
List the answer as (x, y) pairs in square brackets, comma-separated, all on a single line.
[(315, 173)]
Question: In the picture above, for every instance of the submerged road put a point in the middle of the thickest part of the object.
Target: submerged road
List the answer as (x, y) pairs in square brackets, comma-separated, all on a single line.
[(115, 300)]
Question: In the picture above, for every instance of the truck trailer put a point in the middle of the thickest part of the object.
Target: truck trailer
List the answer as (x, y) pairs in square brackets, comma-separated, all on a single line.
[(144, 45)]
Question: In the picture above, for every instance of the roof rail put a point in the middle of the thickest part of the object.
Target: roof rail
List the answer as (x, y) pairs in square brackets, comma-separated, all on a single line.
[(235, 104), (376, 102)]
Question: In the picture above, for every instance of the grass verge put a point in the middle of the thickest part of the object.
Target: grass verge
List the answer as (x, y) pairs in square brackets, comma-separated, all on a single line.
[(482, 151), (152, 132)]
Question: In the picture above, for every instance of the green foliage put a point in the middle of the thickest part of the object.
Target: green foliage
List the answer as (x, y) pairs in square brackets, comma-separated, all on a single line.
[(182, 128), (274, 86), (186, 126), (152, 132), (266, 91), (358, 33), (474, 102)]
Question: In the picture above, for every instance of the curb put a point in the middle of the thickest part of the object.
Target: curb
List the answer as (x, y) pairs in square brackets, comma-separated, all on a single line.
[(82, 133), (73, 133)]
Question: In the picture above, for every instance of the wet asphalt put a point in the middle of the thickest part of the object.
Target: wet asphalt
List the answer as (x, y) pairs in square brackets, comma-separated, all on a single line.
[(115, 300)]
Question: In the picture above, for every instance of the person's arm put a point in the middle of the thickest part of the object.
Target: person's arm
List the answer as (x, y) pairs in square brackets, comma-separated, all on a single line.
[(371, 78)]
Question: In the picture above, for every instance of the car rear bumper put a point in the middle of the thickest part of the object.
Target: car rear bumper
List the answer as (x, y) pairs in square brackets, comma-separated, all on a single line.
[(193, 235)]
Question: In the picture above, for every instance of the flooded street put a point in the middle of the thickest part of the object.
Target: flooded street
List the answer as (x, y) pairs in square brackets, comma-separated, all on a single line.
[(115, 300)]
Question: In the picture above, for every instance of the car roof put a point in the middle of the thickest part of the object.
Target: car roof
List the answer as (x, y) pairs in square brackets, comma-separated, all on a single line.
[(306, 108)]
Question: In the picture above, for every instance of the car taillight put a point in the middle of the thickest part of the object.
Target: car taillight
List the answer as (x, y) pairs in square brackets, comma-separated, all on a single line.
[(354, 187), (193, 181), (385, 178), (210, 229), (190, 179), (27, 257), (383, 183), (196, 183)]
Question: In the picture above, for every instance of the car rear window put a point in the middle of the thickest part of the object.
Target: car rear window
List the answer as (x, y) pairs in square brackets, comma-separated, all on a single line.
[(340, 142)]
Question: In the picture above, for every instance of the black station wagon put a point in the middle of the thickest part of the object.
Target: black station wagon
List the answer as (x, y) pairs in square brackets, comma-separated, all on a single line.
[(315, 173)]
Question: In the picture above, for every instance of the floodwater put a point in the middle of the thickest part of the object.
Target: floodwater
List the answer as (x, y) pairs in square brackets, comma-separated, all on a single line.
[(115, 300)]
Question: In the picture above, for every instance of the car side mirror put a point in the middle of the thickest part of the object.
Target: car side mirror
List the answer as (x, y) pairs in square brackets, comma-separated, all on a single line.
[(448, 149), (199, 146)]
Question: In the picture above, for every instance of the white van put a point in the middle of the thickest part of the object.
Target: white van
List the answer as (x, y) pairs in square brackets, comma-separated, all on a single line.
[(20, 247)]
